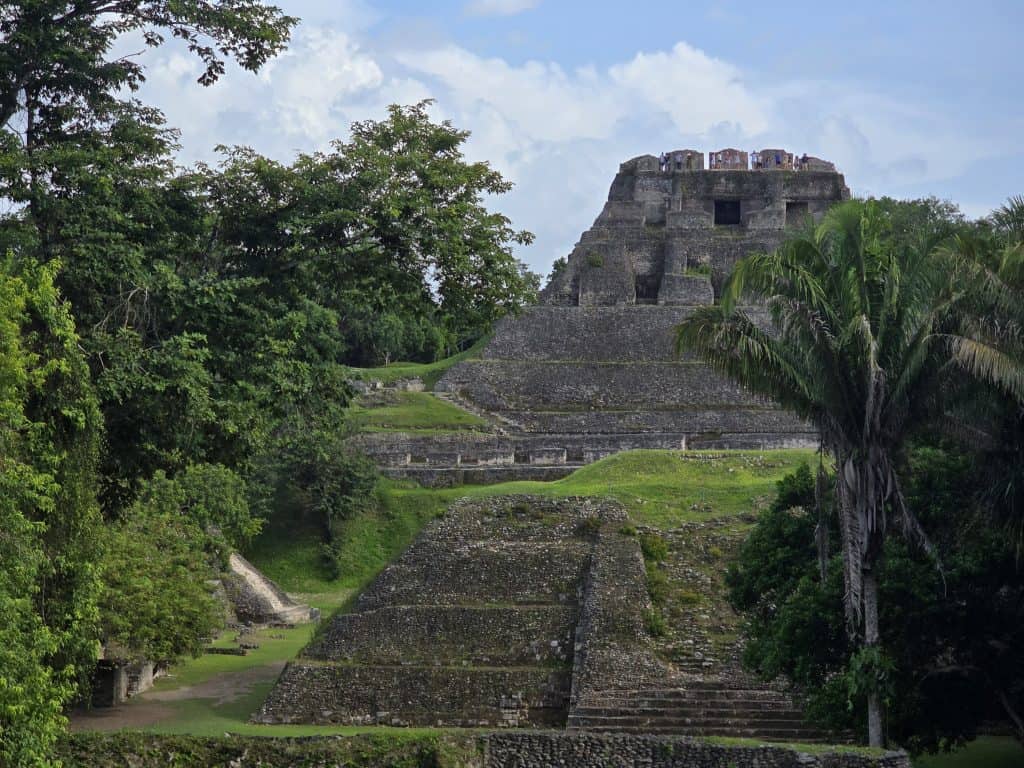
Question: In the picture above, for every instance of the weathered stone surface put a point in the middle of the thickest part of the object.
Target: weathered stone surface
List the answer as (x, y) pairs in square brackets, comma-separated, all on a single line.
[(660, 226), (585, 750), (446, 635), (473, 625), (255, 599)]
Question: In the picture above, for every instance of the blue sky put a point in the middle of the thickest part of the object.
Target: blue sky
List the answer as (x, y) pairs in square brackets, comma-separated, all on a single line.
[(908, 98)]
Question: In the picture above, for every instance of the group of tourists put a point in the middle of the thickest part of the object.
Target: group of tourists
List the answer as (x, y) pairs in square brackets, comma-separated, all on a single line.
[(680, 161)]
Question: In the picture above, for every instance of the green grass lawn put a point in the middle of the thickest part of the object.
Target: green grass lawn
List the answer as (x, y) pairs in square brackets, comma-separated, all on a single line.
[(983, 752), (428, 372), (658, 488), (414, 411)]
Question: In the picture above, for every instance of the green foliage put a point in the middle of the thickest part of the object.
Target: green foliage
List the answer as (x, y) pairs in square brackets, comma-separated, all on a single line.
[(56, 61), (558, 267), (654, 547), (157, 602), (950, 652), (864, 312), (655, 623), (595, 260), (49, 432), (387, 230)]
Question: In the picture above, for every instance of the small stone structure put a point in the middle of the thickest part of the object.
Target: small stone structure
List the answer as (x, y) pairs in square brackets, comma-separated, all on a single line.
[(115, 680), (255, 599)]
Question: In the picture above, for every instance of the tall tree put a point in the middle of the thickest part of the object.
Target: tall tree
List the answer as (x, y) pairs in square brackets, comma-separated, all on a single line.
[(49, 519), (861, 333)]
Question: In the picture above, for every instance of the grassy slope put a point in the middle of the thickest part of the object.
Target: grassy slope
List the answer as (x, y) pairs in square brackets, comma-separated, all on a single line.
[(659, 488), (428, 372)]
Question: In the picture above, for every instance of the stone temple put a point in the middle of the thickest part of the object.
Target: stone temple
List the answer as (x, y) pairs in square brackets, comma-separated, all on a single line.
[(592, 370)]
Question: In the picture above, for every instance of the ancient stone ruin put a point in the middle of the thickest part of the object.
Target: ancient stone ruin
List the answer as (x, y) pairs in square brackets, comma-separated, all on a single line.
[(518, 611), (593, 370)]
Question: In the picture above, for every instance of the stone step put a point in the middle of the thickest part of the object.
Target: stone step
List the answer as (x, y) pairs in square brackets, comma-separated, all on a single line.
[(447, 635), (800, 735), (644, 724), (750, 713), (694, 695)]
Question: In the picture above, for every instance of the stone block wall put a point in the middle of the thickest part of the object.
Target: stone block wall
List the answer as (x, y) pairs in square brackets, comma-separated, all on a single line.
[(433, 635), (652, 218), (586, 750)]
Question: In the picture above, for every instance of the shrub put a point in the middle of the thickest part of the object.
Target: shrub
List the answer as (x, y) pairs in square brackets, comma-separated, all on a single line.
[(654, 547), (655, 622), (589, 528)]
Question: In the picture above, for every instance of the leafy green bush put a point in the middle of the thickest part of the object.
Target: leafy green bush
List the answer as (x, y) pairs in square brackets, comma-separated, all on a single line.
[(655, 622), (654, 547)]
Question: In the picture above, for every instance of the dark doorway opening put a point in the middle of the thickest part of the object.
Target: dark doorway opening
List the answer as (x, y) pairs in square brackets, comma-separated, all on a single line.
[(727, 213), (647, 287), (796, 213)]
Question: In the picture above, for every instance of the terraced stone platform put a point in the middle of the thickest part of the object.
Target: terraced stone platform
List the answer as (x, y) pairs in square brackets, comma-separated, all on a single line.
[(565, 386), (473, 626), (519, 611)]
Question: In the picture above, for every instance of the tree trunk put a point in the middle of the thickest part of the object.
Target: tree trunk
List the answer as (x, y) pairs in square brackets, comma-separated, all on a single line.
[(875, 736)]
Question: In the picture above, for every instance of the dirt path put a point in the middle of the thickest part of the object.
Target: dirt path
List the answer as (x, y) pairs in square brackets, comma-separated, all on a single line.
[(152, 707)]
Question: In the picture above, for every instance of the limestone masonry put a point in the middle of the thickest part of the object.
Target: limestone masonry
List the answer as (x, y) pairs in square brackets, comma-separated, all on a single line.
[(593, 369), (669, 237)]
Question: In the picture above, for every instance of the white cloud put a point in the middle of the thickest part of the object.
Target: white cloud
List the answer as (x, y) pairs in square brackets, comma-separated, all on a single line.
[(499, 7), (558, 133)]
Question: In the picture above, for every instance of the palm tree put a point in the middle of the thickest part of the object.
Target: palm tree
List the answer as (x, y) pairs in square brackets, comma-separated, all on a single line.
[(991, 347), (859, 346)]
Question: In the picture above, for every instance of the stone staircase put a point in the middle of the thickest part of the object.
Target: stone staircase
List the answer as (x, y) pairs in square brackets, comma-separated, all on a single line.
[(704, 708), (473, 626), (255, 599)]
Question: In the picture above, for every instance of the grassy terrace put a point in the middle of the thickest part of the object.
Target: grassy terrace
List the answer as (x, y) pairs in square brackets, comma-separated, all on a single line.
[(413, 412)]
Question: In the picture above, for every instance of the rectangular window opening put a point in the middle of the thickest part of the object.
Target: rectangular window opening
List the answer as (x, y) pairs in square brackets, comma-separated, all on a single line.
[(727, 213), (647, 287), (796, 213)]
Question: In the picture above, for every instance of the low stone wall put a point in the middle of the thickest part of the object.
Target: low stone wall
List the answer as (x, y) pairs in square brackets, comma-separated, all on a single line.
[(450, 635), (508, 749), (418, 696), (453, 477), (649, 428), (577, 750)]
